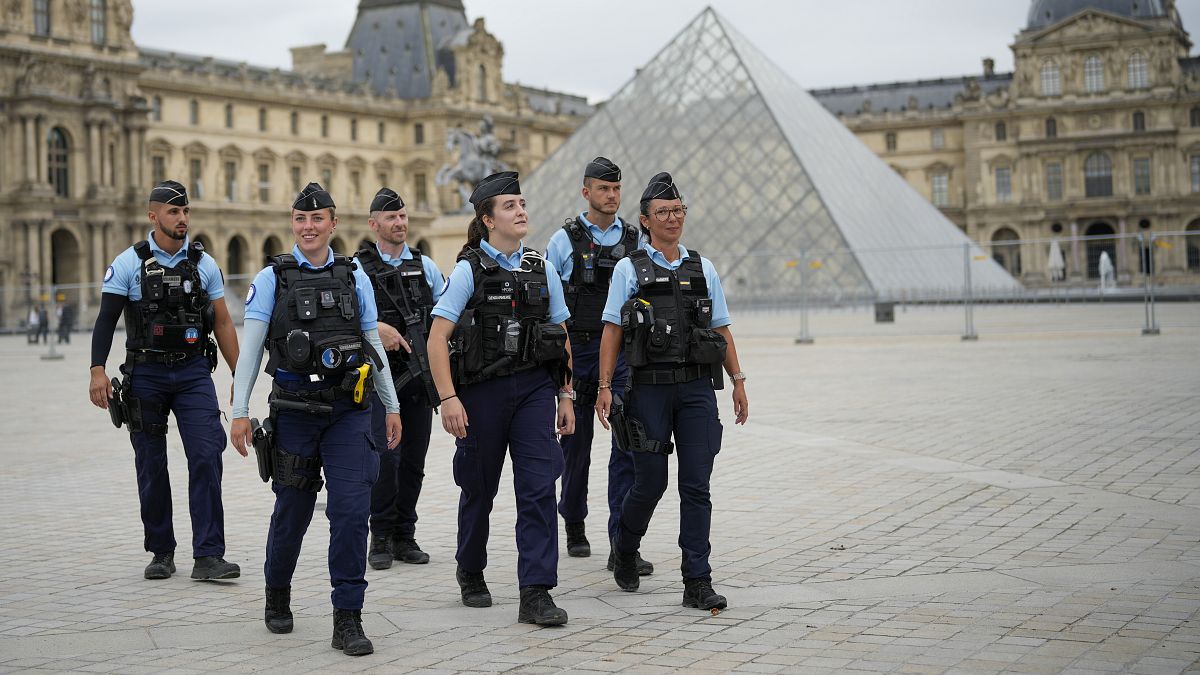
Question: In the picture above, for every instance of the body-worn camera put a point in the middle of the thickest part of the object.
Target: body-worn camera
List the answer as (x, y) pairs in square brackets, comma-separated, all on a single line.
[(511, 329)]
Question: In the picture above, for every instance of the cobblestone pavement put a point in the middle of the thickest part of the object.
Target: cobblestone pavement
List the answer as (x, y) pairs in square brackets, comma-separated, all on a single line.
[(900, 501)]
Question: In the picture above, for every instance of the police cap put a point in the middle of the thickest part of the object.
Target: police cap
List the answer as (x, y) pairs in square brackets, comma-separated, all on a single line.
[(313, 198)]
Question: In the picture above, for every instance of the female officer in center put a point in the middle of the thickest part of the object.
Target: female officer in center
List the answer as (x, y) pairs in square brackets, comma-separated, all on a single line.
[(315, 313), (503, 309)]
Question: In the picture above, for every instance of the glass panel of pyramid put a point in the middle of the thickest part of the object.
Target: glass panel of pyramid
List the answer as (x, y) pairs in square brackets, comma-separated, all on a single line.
[(780, 194)]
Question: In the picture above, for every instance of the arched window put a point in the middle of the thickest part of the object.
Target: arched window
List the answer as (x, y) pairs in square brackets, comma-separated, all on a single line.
[(271, 247), (481, 83), (262, 119), (156, 108), (41, 18), (339, 246), (235, 261), (1093, 75), (1006, 250), (1001, 131), (1051, 80), (1194, 117), (58, 157), (1095, 248), (99, 16), (1193, 246), (228, 115), (1097, 175), (1051, 128), (354, 130), (194, 112), (1139, 121), (1139, 77), (889, 141), (324, 126)]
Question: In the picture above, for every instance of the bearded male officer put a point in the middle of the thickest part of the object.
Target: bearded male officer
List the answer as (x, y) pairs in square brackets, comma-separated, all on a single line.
[(584, 251), (171, 293)]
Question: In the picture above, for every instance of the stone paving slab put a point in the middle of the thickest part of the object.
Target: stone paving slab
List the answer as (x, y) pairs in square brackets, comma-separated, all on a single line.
[(900, 502)]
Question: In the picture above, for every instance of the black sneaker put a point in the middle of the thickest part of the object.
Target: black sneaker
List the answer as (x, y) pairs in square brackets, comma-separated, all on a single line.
[(538, 607), (644, 567), (278, 613), (699, 593), (380, 555), (577, 543), (161, 567), (407, 550), (625, 571), (348, 634), (213, 567), (474, 589)]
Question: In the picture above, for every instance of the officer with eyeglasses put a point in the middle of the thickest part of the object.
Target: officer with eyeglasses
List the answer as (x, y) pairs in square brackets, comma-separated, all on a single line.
[(667, 310)]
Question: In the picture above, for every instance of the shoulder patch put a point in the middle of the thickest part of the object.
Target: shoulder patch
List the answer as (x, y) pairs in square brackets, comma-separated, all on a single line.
[(108, 273), (250, 294)]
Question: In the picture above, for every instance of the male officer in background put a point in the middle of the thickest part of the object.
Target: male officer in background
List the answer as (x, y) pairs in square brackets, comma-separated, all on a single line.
[(171, 293), (584, 251), (407, 285)]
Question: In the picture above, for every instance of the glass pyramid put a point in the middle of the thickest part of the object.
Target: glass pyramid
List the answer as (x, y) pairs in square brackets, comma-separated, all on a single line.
[(780, 194)]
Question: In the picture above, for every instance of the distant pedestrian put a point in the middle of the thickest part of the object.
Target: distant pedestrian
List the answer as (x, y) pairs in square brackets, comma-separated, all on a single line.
[(32, 337), (66, 322), (43, 328)]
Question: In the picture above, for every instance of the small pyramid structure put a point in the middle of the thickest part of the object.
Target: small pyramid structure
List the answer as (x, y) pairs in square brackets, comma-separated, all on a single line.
[(780, 193)]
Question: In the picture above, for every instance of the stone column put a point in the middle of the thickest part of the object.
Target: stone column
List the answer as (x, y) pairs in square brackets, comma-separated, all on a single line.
[(93, 133), (1123, 245), (106, 178), (1077, 271), (30, 128), (39, 152), (138, 141), (33, 261)]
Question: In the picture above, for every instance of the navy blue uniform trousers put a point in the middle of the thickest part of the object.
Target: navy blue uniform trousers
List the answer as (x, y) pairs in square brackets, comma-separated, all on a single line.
[(394, 497), (688, 412), (577, 448), (350, 462), (513, 413), (187, 390)]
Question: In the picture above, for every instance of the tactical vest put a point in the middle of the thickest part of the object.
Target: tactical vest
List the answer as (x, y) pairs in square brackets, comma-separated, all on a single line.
[(174, 314), (667, 323), (399, 290), (505, 327), (315, 327), (587, 289)]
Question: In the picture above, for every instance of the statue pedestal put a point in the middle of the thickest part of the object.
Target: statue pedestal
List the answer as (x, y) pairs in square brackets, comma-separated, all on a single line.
[(446, 236)]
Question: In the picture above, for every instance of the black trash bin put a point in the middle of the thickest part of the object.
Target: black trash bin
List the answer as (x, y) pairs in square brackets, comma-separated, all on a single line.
[(885, 312)]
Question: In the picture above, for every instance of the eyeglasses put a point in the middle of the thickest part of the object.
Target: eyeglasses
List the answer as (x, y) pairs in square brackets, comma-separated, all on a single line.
[(661, 215)]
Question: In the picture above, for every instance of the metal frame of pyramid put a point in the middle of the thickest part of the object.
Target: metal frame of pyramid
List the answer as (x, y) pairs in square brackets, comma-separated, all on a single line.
[(780, 194)]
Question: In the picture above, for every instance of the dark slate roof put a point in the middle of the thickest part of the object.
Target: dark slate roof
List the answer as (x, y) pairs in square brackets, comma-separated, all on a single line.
[(398, 44), (204, 65), (894, 96), (1190, 65), (556, 103), (1043, 13)]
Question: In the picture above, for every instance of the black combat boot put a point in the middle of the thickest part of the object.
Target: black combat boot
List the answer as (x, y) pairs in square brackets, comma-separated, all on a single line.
[(213, 567), (625, 571), (538, 607), (407, 550), (278, 614), (380, 555), (644, 567), (577, 543), (348, 634), (161, 567), (474, 589), (699, 593)]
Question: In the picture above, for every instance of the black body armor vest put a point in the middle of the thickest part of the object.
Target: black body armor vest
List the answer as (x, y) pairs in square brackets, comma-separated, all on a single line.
[(315, 327), (667, 324), (591, 272), (174, 314), (505, 327), (399, 290)]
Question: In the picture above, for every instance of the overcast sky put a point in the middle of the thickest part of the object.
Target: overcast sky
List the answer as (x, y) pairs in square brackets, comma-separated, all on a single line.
[(592, 48)]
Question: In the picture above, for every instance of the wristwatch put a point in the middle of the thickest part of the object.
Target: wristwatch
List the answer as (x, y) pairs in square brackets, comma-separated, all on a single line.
[(567, 394), (739, 375)]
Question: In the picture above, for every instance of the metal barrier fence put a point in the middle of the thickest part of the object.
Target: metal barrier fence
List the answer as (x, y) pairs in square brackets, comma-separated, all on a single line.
[(1146, 267)]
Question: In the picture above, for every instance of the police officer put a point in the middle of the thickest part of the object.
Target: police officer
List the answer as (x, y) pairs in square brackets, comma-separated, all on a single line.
[(584, 251), (171, 293), (315, 314), (503, 310), (407, 285), (666, 308)]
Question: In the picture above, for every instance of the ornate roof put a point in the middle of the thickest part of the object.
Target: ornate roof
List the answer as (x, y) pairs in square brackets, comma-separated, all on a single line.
[(398, 45), (1043, 13)]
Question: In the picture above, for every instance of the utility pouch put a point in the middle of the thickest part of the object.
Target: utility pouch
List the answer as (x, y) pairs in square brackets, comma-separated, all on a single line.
[(467, 346), (339, 353), (635, 326), (707, 346), (264, 447), (549, 343), (510, 336), (306, 303), (299, 351)]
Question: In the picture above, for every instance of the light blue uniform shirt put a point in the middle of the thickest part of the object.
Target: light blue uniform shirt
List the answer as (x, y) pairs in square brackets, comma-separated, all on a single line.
[(625, 286), (461, 286), (560, 252), (124, 276), (260, 299), (433, 275)]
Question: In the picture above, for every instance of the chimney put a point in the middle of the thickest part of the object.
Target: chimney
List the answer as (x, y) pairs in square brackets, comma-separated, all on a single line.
[(989, 67)]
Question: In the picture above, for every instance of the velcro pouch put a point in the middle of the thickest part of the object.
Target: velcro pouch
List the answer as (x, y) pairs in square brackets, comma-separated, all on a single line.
[(706, 346)]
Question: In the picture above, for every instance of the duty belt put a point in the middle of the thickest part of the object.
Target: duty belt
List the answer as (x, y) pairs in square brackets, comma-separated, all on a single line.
[(670, 375), (168, 358), (327, 395), (579, 337)]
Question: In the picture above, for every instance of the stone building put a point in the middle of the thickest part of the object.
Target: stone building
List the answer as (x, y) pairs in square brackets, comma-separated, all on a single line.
[(1095, 133), (89, 121)]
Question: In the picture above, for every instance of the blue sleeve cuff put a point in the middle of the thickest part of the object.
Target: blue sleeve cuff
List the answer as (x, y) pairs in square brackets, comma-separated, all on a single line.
[(451, 317), (258, 316), (721, 323)]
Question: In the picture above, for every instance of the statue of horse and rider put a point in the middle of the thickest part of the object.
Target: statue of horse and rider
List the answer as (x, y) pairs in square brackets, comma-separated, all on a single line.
[(477, 158)]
